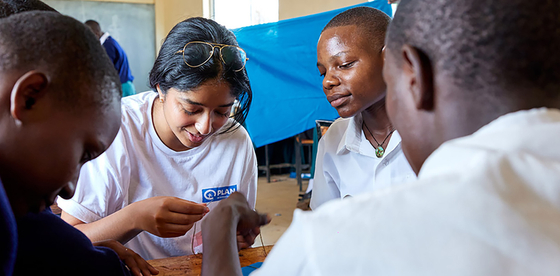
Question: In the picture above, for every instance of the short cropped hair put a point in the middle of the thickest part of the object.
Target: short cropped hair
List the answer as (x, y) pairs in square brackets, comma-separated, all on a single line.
[(66, 50), (372, 22), (486, 46), (9, 7), (94, 25)]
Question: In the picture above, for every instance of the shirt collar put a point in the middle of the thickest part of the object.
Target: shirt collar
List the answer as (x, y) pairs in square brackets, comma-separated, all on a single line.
[(352, 136), (354, 140), (104, 37), (521, 131)]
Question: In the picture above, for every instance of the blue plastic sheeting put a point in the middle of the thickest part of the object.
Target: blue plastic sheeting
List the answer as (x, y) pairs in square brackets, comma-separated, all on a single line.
[(287, 90)]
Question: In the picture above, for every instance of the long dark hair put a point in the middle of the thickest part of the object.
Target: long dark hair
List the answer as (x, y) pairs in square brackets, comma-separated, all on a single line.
[(170, 70)]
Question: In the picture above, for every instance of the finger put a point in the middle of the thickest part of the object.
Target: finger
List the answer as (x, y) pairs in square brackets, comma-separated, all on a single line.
[(256, 230), (174, 230), (264, 219), (242, 245), (249, 220), (187, 207), (250, 238), (133, 266), (153, 270), (240, 241), (147, 269), (237, 196), (182, 219), (240, 237)]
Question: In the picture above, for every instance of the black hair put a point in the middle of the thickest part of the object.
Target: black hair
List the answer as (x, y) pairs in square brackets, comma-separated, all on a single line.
[(372, 22), (64, 49), (170, 70), (9, 7), (95, 27), (486, 47)]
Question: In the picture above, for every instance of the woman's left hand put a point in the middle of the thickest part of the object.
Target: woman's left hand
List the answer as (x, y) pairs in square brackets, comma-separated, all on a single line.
[(136, 264)]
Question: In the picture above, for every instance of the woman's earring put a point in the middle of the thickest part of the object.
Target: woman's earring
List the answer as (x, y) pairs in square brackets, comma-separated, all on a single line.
[(161, 100)]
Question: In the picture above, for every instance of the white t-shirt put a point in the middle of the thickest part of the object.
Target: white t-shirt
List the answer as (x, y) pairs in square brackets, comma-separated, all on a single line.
[(347, 165), (484, 204), (138, 165)]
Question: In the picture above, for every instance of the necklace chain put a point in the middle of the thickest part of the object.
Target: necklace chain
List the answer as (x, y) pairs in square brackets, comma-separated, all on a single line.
[(379, 150)]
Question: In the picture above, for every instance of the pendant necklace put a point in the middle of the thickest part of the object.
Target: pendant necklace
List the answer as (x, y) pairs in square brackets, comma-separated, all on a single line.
[(379, 150)]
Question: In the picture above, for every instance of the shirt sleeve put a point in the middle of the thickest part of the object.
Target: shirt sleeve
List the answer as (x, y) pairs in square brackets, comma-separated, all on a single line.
[(102, 185), (46, 232), (324, 186), (289, 256), (111, 50)]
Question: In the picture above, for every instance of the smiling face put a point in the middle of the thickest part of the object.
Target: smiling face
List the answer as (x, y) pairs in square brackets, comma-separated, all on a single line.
[(191, 117), (351, 67)]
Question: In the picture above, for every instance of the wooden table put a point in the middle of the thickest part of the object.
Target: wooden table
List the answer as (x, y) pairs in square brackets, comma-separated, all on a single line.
[(192, 265)]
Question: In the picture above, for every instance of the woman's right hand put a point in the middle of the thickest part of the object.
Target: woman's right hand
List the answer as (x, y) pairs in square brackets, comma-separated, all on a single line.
[(166, 216)]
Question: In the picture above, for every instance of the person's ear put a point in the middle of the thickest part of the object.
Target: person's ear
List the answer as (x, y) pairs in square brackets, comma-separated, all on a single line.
[(418, 68), (27, 91), (161, 95)]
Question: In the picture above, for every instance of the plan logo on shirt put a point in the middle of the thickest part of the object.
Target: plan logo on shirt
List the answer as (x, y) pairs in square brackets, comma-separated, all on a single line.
[(217, 194)]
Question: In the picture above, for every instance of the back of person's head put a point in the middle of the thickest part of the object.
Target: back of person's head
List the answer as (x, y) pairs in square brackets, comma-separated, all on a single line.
[(507, 47), (94, 26), (372, 22), (9, 7), (171, 71), (453, 67), (59, 106), (63, 48)]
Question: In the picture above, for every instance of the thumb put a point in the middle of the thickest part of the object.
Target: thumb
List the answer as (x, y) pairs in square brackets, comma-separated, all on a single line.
[(264, 219)]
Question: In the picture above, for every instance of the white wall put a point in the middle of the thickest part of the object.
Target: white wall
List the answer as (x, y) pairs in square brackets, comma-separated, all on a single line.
[(295, 8), (131, 24)]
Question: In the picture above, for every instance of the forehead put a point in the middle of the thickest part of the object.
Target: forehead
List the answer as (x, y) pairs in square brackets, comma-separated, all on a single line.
[(348, 37), (210, 93)]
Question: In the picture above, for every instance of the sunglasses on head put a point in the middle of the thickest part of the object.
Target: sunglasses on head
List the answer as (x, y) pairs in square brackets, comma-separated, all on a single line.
[(197, 53)]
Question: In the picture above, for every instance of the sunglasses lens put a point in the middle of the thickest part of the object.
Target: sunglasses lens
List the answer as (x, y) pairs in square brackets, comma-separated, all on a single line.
[(234, 57), (195, 54)]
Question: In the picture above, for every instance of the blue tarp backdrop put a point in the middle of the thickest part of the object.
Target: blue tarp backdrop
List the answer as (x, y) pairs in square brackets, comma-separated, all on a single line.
[(287, 90)]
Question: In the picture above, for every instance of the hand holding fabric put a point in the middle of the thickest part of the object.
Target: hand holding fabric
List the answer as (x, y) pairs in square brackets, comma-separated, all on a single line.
[(166, 216)]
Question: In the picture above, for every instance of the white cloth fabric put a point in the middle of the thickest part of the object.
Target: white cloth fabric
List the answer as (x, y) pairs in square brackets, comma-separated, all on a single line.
[(347, 165), (138, 165), (485, 204), (104, 37)]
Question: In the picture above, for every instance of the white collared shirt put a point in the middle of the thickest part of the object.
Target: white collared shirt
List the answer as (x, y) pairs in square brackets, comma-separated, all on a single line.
[(484, 204), (104, 37), (347, 164)]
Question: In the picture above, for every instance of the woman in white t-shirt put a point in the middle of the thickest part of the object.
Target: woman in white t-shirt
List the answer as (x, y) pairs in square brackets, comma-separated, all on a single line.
[(178, 151), (362, 151)]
